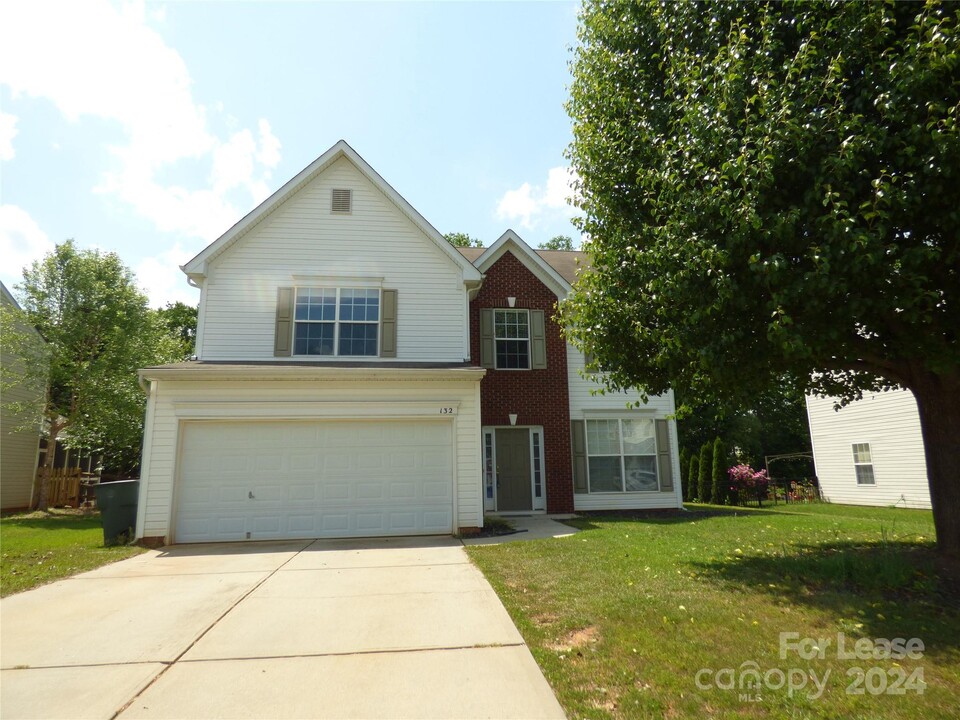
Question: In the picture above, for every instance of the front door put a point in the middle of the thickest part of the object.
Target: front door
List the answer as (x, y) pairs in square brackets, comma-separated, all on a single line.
[(513, 469)]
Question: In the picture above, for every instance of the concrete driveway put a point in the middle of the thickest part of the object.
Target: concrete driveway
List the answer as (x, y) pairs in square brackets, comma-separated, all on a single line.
[(388, 628)]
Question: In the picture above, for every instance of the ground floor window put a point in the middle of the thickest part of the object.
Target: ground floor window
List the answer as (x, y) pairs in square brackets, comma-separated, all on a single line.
[(622, 455), (863, 464)]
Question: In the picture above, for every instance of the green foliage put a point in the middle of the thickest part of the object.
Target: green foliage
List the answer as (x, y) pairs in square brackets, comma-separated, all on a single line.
[(705, 472), (770, 190), (719, 489), (774, 422), (180, 320), (460, 239), (684, 473), (771, 193), (693, 477), (558, 242), (97, 331)]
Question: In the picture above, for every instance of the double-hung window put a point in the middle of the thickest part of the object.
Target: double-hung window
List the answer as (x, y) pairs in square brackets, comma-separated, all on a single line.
[(863, 464), (622, 455), (511, 335), (336, 322)]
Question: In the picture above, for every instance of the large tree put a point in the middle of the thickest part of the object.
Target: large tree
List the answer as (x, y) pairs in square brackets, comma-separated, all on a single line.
[(462, 239), (97, 331), (558, 242), (180, 320), (772, 190)]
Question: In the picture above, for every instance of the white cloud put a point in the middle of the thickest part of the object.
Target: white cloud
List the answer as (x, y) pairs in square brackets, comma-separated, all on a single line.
[(529, 204), (8, 131), (102, 60), (21, 242), (160, 278)]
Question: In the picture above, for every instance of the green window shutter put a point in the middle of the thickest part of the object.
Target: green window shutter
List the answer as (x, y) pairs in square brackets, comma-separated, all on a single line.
[(283, 328), (486, 338), (538, 341), (578, 433), (664, 466), (388, 324)]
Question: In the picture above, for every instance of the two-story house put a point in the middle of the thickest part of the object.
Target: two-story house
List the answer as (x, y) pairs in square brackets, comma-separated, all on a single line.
[(356, 375)]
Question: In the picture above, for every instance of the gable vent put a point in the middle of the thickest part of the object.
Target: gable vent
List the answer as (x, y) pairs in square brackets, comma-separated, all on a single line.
[(342, 201)]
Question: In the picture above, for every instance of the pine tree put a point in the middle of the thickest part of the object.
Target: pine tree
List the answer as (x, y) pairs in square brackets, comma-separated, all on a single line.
[(706, 470), (719, 491), (692, 477), (684, 477)]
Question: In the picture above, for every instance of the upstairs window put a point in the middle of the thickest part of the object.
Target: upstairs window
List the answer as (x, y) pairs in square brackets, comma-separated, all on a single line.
[(863, 464), (511, 335), (336, 322)]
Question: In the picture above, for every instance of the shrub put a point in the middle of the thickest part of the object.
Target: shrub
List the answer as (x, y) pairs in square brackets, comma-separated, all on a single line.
[(718, 474), (684, 474), (745, 482), (703, 478), (692, 475)]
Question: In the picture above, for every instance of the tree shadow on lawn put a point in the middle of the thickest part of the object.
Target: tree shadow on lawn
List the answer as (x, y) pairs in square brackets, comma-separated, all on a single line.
[(595, 520), (37, 520), (887, 589)]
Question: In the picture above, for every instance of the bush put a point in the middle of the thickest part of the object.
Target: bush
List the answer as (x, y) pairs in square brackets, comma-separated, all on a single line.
[(706, 467), (746, 483), (719, 484), (692, 476), (684, 468)]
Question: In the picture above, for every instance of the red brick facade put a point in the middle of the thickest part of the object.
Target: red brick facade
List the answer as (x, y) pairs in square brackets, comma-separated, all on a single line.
[(538, 397)]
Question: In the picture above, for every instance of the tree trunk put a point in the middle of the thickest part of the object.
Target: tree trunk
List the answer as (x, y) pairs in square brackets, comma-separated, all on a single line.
[(938, 401)]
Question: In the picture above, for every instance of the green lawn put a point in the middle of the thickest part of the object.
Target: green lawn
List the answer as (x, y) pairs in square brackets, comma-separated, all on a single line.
[(622, 616), (37, 548)]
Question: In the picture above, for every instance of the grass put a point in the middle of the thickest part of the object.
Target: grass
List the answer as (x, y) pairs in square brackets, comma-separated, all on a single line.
[(37, 548), (623, 615)]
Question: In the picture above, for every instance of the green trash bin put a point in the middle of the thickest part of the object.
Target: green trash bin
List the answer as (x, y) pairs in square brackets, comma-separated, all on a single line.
[(117, 502)]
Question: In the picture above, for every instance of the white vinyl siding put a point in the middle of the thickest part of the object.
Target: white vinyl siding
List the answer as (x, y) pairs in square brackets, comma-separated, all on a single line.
[(300, 238), (889, 424), (586, 403), (174, 403)]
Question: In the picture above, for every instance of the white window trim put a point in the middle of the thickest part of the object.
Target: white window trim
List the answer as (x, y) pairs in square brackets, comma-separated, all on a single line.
[(336, 321), (623, 467), (872, 464), (529, 339)]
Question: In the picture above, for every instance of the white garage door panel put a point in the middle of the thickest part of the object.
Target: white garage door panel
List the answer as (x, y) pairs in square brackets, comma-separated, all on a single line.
[(268, 480)]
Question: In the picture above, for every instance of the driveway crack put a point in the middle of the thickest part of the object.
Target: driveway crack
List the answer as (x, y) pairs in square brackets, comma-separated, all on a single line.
[(208, 629)]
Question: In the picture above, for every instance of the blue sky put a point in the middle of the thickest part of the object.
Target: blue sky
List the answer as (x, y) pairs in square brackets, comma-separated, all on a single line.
[(149, 128)]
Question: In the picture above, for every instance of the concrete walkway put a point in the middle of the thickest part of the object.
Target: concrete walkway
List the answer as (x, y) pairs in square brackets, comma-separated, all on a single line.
[(388, 628), (529, 527)]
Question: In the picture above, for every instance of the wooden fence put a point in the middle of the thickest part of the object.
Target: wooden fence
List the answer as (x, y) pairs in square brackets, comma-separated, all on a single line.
[(64, 487)]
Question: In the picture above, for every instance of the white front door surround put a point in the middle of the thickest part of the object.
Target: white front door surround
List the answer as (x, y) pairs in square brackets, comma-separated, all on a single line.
[(492, 482)]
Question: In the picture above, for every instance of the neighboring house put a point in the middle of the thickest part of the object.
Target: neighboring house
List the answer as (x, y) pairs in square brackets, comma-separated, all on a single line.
[(356, 376), (871, 451), (18, 446)]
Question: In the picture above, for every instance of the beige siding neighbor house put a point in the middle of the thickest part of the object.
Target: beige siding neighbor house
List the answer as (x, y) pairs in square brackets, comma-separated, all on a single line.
[(18, 446), (871, 451)]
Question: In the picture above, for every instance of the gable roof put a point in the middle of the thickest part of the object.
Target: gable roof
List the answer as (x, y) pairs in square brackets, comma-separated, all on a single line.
[(513, 243), (566, 263), (197, 267)]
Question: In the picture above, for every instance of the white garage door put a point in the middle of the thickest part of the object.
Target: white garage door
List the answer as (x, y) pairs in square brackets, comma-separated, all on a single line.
[(265, 480)]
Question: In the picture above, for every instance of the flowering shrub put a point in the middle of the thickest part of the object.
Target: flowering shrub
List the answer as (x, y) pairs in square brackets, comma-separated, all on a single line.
[(746, 483)]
